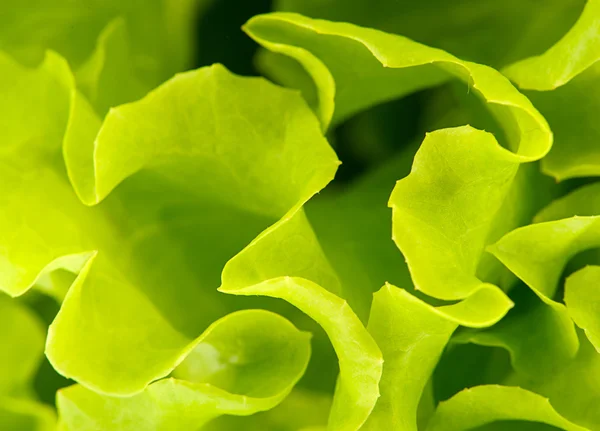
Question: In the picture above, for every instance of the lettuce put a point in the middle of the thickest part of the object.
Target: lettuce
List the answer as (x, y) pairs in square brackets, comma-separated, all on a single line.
[(183, 246)]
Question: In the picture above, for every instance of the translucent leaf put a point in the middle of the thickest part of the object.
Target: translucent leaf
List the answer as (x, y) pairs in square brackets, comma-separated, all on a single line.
[(412, 335), (567, 74), (252, 359), (359, 357), (485, 404), (132, 250), (582, 298)]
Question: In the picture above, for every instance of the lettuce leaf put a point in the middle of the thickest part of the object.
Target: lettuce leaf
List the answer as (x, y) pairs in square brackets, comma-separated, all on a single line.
[(160, 32), (146, 212), (484, 31), (130, 194), (567, 75), (412, 335), (359, 357), (582, 301), (25, 415), (250, 360), (484, 404), (22, 347)]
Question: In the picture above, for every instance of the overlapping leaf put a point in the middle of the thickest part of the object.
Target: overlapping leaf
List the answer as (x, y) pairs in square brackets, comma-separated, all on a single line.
[(570, 225), (109, 246), (484, 31), (209, 164), (249, 362), (567, 75), (482, 405), (160, 32), (412, 335), (21, 350), (582, 298), (359, 357)]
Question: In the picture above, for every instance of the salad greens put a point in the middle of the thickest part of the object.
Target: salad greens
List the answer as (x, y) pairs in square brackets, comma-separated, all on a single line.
[(186, 248)]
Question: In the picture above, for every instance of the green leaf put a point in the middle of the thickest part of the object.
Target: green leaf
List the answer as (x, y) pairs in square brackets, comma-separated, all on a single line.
[(271, 156), (540, 339), (354, 68), (412, 335), (359, 357), (466, 28), (34, 112), (251, 359), (301, 411), (340, 241), (124, 200), (369, 67), (541, 267), (353, 230), (485, 404), (573, 390), (564, 235), (161, 32), (582, 298), (24, 415), (108, 78), (442, 211), (574, 53), (567, 74), (21, 344)]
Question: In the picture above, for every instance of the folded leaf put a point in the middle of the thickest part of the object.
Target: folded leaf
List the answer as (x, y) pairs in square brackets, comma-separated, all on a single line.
[(301, 411), (22, 347), (582, 297), (540, 267), (389, 66), (466, 28), (573, 390), (567, 75), (570, 56), (485, 404), (251, 361), (339, 241), (354, 68), (442, 211), (540, 340), (412, 335), (359, 357), (108, 77), (24, 415), (141, 249), (160, 31)]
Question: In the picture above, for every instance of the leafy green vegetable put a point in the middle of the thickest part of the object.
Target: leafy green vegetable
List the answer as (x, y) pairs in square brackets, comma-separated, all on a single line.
[(24, 415), (249, 362), (567, 75), (412, 335), (360, 359), (22, 344), (484, 404), (582, 301), (160, 31), (128, 216), (21, 347), (133, 188), (479, 30)]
